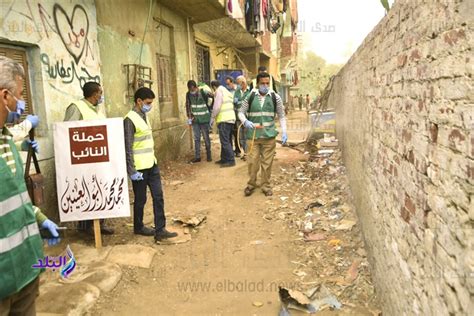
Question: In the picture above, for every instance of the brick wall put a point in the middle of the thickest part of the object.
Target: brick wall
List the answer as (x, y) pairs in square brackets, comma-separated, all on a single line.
[(405, 118)]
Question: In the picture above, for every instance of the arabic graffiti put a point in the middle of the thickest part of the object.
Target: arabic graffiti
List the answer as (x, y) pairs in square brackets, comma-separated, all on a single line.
[(69, 73), (95, 195), (67, 265), (73, 31), (88, 144)]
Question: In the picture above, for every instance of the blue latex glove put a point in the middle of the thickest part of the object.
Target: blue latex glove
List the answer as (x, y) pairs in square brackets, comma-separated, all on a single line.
[(34, 120), (52, 227), (137, 176), (249, 124), (25, 145), (190, 121), (20, 107), (284, 138)]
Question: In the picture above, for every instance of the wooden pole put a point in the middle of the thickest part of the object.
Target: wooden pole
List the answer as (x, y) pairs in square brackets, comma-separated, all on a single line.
[(97, 236)]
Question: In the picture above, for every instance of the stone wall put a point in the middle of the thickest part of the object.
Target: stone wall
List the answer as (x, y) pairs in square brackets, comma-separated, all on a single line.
[(405, 118)]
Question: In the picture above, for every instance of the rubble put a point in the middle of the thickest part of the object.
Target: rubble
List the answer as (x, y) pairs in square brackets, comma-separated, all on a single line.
[(314, 202)]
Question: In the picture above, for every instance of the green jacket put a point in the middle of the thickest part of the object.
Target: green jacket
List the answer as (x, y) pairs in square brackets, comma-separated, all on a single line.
[(20, 242)]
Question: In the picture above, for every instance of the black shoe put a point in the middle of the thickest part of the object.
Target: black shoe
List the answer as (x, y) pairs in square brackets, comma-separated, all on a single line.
[(237, 155), (164, 234), (209, 159), (220, 162), (195, 160), (268, 193), (248, 191), (145, 231), (228, 164), (107, 230)]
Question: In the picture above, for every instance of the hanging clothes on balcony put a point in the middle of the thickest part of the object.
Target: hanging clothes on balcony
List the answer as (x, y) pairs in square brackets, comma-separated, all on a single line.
[(248, 9), (232, 9)]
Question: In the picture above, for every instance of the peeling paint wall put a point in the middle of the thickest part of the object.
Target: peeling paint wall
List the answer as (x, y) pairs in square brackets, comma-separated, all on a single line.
[(122, 38), (60, 41)]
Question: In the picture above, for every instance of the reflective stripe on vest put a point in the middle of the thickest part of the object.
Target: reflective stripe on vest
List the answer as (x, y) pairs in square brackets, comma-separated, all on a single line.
[(262, 116), (143, 144), (13, 203), (20, 242), (13, 241), (199, 109), (87, 112), (226, 112)]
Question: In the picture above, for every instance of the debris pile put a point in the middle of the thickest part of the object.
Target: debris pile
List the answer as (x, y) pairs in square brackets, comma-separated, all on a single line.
[(312, 197)]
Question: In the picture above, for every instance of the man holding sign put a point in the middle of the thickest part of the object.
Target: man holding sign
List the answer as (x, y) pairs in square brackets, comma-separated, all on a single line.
[(142, 168), (87, 109)]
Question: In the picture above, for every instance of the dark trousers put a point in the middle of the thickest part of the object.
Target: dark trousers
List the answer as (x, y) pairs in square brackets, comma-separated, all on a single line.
[(225, 137), (242, 140), (21, 303), (203, 129), (151, 179)]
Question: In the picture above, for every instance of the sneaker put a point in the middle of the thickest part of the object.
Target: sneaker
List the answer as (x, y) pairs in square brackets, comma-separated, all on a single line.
[(227, 164), (219, 162), (248, 191), (145, 231), (195, 160), (164, 234)]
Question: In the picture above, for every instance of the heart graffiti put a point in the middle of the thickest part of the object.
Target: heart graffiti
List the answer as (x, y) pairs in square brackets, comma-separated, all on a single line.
[(73, 31)]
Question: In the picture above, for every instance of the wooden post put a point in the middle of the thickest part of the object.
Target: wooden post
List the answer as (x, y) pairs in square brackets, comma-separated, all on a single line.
[(97, 236)]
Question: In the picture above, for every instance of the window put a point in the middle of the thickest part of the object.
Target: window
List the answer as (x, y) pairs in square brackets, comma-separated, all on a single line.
[(19, 55), (166, 77), (203, 64)]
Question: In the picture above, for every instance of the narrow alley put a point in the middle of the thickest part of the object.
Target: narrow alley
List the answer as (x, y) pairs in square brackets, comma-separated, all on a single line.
[(362, 111), (304, 237)]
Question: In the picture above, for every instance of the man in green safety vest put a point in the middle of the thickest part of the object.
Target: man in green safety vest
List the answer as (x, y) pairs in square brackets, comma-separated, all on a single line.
[(142, 167), (199, 117), (258, 113), (87, 109), (20, 241), (223, 113)]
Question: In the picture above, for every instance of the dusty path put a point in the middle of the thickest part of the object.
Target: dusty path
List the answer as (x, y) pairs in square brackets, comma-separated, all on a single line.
[(235, 260)]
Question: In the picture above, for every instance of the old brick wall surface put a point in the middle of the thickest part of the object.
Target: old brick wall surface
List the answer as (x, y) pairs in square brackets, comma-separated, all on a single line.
[(405, 118)]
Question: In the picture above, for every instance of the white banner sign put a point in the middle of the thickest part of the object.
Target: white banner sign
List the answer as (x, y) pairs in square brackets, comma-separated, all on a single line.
[(91, 171)]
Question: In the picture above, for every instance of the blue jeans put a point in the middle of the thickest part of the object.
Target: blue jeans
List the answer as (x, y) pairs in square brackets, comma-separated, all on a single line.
[(225, 136), (203, 129), (151, 179)]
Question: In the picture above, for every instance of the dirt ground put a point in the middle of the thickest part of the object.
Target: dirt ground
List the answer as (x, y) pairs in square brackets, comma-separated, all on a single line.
[(247, 247)]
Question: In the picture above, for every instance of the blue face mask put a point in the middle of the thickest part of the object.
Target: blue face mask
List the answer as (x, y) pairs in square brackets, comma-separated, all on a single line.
[(14, 116), (263, 89), (146, 108)]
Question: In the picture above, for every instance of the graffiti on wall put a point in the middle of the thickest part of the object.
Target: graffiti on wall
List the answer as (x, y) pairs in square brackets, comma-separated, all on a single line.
[(73, 61), (72, 30)]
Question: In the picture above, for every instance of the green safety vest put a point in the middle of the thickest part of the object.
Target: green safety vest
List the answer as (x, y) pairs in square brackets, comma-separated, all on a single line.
[(199, 108), (143, 144), (20, 243), (87, 111), (240, 97), (262, 116), (226, 112)]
